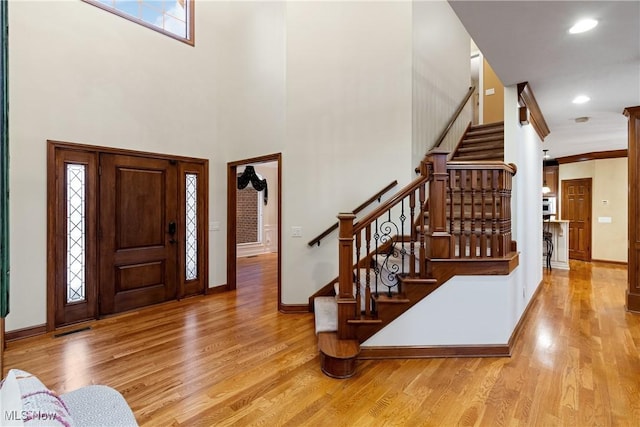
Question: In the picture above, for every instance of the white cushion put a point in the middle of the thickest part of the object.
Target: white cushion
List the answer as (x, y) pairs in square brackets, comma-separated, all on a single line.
[(10, 401), (40, 406)]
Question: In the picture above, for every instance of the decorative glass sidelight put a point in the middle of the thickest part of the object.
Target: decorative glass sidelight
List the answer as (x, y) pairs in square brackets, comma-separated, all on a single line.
[(191, 221), (76, 232)]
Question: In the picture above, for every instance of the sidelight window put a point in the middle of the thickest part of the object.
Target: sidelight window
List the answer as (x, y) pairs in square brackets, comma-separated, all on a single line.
[(191, 222), (76, 232)]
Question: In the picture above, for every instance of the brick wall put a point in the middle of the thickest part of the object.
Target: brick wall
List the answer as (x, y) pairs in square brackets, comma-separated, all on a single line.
[(247, 215)]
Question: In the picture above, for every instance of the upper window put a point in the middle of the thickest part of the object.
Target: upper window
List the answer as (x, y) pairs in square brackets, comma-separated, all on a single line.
[(171, 17)]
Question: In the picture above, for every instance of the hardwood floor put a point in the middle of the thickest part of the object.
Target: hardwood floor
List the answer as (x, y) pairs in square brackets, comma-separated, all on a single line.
[(232, 359)]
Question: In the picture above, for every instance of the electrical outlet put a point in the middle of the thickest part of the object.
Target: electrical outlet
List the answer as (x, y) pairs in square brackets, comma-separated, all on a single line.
[(296, 231)]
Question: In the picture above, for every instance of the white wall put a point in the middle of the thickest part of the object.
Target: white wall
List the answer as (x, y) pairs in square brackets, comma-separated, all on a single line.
[(80, 74), (327, 84), (609, 241), (441, 75), (470, 310), (523, 147), (348, 124)]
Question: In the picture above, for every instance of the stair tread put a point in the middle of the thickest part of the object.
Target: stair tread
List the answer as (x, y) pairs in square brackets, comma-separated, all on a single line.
[(329, 344), (483, 137), (417, 280), (325, 314), (383, 298), (363, 321), (486, 126), (482, 146), (488, 156), (484, 132)]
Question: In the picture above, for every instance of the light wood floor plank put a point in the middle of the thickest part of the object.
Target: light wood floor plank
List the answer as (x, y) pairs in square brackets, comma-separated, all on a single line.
[(232, 360)]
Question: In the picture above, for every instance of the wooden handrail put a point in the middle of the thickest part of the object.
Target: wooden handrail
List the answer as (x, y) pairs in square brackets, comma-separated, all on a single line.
[(366, 203), (455, 116), (364, 221), (488, 165)]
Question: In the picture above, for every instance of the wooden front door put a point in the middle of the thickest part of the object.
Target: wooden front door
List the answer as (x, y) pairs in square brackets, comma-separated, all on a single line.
[(137, 232), (576, 208), (125, 230)]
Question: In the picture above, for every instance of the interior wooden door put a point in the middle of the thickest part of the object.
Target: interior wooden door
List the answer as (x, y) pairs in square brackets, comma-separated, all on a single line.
[(138, 228), (576, 208)]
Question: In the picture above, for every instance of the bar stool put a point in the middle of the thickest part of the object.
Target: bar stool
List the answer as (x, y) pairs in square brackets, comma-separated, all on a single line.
[(547, 239)]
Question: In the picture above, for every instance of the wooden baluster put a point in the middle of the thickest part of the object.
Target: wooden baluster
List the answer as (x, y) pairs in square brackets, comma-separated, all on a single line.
[(346, 301), (494, 213), (357, 282), (508, 236), (423, 252), (415, 225), (463, 214), (452, 204), (473, 243), (503, 212), (367, 289), (376, 266), (483, 229), (403, 250)]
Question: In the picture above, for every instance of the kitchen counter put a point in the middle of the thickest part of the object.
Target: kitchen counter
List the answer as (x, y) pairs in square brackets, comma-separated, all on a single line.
[(560, 237)]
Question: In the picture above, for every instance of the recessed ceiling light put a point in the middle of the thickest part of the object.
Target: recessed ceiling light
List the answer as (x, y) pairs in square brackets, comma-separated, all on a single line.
[(583, 26), (581, 99), (582, 119)]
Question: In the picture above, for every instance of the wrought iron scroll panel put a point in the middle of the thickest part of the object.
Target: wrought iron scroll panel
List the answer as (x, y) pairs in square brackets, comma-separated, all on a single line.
[(387, 247)]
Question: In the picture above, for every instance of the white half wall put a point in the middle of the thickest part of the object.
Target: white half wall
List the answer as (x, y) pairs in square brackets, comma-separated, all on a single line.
[(467, 310)]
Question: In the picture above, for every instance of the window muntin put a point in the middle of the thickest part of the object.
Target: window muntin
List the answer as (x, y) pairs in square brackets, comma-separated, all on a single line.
[(171, 17)]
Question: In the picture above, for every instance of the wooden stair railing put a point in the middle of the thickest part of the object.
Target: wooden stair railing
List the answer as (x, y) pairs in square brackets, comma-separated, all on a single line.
[(386, 233), (479, 209), (316, 240), (469, 219)]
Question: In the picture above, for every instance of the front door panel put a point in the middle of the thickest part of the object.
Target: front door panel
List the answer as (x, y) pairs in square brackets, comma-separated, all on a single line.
[(137, 232)]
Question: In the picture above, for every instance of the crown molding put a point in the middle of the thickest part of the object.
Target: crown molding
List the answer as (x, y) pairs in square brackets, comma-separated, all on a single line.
[(599, 155), (528, 100)]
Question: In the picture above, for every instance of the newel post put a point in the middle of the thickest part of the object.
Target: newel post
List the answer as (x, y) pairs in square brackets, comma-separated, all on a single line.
[(633, 159), (440, 240), (346, 299)]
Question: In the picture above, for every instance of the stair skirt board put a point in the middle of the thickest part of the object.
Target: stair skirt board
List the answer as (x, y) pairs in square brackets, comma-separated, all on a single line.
[(428, 352), (326, 314)]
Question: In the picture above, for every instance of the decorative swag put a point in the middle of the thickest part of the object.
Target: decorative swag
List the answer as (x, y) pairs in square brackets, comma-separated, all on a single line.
[(249, 176)]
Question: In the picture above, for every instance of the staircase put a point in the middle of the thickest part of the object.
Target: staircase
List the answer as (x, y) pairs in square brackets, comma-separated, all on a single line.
[(481, 143), (453, 219)]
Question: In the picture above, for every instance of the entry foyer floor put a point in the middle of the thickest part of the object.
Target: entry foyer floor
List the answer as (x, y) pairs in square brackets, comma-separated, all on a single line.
[(232, 359)]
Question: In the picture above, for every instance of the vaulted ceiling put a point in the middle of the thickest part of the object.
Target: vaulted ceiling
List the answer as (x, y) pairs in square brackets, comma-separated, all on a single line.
[(529, 41)]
